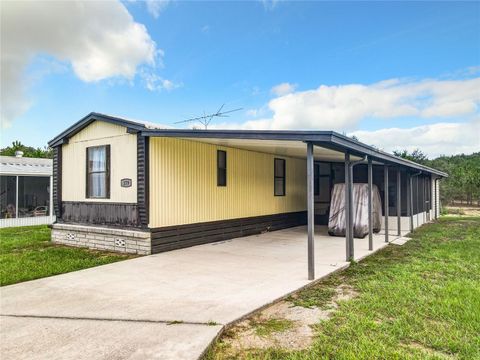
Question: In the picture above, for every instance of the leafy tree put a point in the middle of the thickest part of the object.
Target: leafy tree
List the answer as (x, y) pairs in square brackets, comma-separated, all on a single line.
[(463, 182), (28, 151), (416, 155)]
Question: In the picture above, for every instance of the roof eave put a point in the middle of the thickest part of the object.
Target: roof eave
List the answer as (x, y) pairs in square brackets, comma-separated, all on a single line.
[(132, 127), (240, 134), (354, 145), (323, 138), (337, 141)]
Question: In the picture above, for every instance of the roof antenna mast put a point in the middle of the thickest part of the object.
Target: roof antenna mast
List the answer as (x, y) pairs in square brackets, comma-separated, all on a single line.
[(206, 119)]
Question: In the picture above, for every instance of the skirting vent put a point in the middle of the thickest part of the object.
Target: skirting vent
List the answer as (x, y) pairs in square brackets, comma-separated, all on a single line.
[(120, 242)]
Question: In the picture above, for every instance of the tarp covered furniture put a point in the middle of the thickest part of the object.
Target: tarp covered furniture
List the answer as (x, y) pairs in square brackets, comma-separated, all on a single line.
[(336, 221)]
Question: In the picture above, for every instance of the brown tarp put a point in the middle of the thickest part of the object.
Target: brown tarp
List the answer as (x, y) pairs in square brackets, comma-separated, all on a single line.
[(336, 220)]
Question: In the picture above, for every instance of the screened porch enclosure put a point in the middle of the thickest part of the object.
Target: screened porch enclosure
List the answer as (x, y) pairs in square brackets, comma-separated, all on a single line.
[(327, 174), (25, 191), (24, 196)]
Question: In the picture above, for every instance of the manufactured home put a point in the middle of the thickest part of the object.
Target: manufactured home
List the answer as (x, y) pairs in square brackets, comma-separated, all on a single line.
[(138, 187)]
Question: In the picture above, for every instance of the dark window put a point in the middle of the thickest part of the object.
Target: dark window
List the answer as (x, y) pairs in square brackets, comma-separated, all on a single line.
[(321, 181), (316, 177), (98, 172), (279, 177), (221, 168)]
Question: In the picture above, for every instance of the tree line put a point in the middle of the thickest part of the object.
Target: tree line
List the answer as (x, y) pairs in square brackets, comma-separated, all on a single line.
[(28, 151), (463, 182)]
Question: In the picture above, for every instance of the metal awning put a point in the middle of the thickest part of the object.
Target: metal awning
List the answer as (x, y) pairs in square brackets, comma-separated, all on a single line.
[(11, 165)]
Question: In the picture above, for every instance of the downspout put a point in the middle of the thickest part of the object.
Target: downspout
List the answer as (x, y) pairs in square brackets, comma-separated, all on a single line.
[(352, 164)]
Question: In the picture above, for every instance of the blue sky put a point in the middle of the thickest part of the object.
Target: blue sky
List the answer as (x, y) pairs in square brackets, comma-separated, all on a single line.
[(210, 53)]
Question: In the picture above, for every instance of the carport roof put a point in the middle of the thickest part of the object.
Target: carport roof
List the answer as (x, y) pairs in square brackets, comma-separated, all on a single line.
[(326, 139)]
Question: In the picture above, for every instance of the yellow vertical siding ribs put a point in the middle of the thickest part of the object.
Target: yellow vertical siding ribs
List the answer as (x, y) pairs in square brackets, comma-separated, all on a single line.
[(183, 183)]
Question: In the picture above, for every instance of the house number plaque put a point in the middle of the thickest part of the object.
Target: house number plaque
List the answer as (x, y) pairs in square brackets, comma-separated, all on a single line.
[(126, 182)]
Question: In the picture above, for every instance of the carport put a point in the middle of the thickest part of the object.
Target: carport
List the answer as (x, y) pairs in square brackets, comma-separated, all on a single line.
[(357, 154), (409, 191)]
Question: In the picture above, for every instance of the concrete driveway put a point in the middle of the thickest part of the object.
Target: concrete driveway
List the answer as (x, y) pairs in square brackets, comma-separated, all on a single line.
[(163, 306)]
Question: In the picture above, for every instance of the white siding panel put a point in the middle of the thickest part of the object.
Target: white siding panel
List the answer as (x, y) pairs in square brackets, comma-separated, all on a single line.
[(28, 221)]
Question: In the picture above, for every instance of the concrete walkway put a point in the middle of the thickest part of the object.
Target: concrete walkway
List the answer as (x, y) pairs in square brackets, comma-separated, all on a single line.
[(164, 306)]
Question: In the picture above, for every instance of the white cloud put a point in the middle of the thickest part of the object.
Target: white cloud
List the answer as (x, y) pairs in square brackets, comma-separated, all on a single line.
[(99, 39), (342, 107), (434, 140), (283, 89), (155, 82), (269, 4), (155, 7)]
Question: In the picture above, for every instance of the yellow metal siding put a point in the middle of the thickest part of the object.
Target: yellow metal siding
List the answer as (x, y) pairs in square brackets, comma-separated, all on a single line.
[(183, 183), (123, 162)]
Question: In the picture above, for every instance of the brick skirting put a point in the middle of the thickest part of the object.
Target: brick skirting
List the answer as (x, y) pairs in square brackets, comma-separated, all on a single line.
[(127, 241), (171, 237)]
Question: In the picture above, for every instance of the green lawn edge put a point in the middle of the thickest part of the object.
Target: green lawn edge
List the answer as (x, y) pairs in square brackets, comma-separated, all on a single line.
[(417, 301), (26, 253)]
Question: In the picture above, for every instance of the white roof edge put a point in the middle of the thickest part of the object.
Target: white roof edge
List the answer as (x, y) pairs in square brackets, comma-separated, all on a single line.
[(24, 166)]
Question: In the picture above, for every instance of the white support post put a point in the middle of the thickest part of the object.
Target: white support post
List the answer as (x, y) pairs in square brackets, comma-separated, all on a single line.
[(50, 205), (16, 197)]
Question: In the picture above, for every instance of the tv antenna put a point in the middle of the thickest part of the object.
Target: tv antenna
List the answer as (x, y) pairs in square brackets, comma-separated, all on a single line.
[(206, 119)]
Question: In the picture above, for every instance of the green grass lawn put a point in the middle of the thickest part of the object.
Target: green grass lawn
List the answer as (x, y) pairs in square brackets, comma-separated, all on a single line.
[(26, 253), (417, 301)]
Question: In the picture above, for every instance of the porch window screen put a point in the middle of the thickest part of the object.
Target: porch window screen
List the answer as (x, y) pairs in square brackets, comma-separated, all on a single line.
[(98, 172), (279, 177), (221, 168)]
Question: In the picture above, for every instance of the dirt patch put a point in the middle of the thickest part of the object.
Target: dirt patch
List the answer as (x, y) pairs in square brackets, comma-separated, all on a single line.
[(432, 352), (463, 210), (297, 324), (344, 293)]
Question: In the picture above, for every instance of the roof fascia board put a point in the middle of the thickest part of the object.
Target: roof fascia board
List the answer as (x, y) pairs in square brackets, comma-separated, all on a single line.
[(236, 134), (87, 120), (327, 139)]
